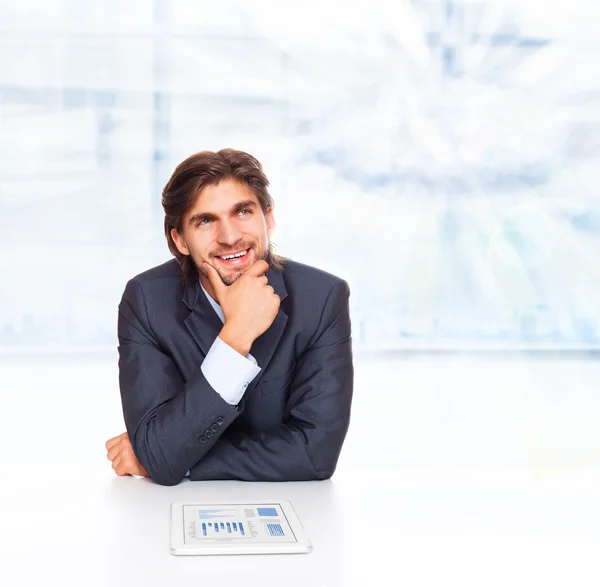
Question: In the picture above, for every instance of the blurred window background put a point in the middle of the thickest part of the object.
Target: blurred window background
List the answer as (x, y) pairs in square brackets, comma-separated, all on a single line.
[(443, 157)]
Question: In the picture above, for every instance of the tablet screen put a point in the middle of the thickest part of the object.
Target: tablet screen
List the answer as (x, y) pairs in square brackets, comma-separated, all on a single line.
[(241, 523)]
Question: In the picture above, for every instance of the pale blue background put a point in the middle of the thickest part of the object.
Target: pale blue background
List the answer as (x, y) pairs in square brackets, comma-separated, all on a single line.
[(443, 157)]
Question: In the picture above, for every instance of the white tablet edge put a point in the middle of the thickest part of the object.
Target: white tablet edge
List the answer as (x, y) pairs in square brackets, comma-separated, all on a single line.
[(178, 546)]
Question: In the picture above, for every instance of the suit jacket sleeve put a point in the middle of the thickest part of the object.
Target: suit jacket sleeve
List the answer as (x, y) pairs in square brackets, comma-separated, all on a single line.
[(306, 446), (172, 424)]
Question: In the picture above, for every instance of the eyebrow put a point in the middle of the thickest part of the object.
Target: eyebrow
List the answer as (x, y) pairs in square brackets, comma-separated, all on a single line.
[(234, 210)]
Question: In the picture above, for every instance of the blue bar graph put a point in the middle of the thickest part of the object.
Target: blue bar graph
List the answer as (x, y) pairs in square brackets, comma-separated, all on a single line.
[(235, 528)]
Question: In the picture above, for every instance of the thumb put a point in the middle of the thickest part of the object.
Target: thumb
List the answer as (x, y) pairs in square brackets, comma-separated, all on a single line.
[(215, 280)]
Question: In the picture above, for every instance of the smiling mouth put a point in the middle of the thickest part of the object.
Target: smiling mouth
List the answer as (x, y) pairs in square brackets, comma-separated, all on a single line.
[(233, 259)]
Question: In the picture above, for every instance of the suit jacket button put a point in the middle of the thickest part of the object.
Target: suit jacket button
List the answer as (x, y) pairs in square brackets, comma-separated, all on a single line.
[(202, 439), (214, 427), (208, 434), (220, 421)]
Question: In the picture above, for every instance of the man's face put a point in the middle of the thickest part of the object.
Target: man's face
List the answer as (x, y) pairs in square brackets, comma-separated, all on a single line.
[(225, 219)]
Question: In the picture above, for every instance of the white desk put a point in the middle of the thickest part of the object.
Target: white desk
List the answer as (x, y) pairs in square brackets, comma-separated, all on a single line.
[(461, 460), (494, 531)]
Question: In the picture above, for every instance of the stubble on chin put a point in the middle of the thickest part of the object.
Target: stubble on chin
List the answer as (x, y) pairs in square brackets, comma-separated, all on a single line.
[(230, 279)]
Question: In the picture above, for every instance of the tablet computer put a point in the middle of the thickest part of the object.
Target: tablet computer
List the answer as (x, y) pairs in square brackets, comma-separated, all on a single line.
[(231, 527)]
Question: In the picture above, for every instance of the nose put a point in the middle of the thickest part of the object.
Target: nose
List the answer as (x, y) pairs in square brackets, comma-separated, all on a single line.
[(228, 233)]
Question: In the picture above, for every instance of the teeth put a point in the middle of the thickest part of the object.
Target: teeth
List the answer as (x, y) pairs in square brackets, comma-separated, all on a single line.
[(236, 256)]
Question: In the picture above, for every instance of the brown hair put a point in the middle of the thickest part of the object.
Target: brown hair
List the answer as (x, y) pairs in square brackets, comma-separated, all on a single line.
[(204, 169)]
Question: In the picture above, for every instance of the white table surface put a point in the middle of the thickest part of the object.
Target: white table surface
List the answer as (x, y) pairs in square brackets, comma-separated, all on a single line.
[(86, 527), (424, 494)]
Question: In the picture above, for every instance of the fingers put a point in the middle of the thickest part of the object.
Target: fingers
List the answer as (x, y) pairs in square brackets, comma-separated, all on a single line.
[(122, 466), (121, 470), (114, 441), (113, 452), (116, 445), (258, 268), (124, 461)]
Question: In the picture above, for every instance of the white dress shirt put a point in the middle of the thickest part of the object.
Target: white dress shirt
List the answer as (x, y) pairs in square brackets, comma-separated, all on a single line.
[(227, 372)]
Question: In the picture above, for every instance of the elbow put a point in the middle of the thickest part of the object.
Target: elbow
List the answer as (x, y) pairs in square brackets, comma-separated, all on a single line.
[(162, 474), (323, 470), (156, 466), (166, 480), (324, 474), (324, 457)]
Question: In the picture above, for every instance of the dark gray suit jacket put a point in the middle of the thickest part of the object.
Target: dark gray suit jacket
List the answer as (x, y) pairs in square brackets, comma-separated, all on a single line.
[(293, 418)]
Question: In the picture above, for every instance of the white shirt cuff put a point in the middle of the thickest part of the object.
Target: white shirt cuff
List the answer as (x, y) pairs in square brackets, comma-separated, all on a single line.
[(228, 372)]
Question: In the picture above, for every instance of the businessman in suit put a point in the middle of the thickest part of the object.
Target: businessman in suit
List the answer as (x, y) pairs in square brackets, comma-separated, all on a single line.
[(234, 362)]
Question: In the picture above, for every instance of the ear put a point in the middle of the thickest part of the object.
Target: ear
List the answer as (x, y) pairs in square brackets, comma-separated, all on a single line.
[(179, 242), (270, 219)]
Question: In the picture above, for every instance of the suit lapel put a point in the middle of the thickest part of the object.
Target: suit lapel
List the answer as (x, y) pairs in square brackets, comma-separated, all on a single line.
[(204, 325), (265, 345)]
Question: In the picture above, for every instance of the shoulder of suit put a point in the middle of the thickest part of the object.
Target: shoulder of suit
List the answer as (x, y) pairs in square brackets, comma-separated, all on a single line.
[(299, 273), (165, 272)]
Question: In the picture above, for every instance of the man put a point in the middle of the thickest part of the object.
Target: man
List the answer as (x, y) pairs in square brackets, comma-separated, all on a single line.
[(234, 362)]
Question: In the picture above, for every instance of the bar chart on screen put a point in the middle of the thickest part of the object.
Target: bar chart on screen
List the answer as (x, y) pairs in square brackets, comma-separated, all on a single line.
[(223, 530)]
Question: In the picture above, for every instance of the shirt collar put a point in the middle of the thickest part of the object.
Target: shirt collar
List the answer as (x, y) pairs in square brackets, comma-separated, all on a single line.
[(216, 307)]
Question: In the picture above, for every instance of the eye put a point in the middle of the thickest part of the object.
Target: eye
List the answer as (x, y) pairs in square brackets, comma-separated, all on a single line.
[(202, 222), (245, 210)]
